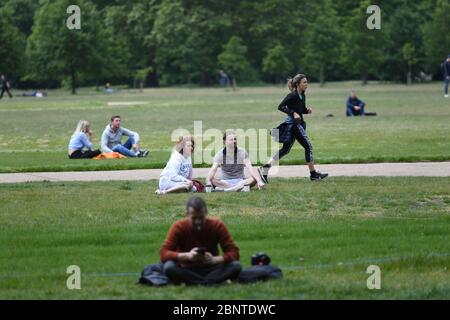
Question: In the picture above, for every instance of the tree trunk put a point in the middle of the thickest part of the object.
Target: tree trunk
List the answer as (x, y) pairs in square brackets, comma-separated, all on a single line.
[(73, 79), (409, 74), (234, 84), (364, 79), (322, 75)]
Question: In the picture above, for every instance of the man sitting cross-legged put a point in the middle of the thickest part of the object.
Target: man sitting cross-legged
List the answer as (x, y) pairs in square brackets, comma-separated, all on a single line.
[(190, 252), (232, 161)]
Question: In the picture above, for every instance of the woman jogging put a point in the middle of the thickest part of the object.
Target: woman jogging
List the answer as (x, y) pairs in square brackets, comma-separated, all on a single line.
[(82, 138), (294, 127), (177, 175)]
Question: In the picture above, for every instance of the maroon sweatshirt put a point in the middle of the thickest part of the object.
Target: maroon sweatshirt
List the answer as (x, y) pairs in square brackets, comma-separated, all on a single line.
[(183, 238)]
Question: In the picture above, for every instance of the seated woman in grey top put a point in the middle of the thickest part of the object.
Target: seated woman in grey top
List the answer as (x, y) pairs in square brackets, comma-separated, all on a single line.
[(80, 140)]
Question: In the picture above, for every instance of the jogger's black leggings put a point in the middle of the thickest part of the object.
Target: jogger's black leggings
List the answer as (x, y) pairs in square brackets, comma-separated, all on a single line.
[(300, 135)]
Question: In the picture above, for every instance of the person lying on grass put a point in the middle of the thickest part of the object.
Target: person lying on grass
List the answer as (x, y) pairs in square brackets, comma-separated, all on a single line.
[(177, 175), (232, 160), (190, 251), (81, 139), (112, 140)]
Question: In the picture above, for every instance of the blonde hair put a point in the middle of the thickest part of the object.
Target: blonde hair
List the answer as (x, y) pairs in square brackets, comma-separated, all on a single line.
[(82, 126), (181, 143)]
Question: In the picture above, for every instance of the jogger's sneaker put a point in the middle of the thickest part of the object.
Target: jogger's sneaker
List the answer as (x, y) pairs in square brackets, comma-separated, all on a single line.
[(316, 175), (264, 173)]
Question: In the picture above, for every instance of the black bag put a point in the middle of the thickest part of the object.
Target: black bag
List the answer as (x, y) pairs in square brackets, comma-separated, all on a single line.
[(260, 273)]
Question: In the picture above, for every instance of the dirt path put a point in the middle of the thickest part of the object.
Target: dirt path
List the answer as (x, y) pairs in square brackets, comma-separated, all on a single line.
[(428, 169)]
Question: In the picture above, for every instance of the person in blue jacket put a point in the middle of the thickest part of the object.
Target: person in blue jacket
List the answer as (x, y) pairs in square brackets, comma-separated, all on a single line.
[(80, 145), (355, 107)]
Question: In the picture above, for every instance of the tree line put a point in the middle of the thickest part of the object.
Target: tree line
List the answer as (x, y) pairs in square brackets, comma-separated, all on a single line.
[(172, 42)]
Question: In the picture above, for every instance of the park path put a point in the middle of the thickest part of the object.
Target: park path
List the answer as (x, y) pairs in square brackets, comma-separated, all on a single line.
[(424, 169)]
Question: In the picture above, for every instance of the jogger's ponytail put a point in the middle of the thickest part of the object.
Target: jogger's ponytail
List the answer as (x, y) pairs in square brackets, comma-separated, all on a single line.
[(292, 83)]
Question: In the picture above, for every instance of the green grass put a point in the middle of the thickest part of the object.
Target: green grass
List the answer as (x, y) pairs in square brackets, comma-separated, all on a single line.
[(412, 124), (323, 235)]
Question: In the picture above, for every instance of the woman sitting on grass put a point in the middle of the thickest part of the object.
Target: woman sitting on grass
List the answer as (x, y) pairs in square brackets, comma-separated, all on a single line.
[(177, 175), (82, 138)]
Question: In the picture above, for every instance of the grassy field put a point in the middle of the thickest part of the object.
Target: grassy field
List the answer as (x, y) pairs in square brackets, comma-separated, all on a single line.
[(412, 124), (323, 235)]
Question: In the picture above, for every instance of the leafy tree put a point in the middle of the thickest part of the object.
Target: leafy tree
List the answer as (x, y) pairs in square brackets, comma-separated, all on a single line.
[(187, 36), (140, 22), (181, 41), (409, 54), (12, 45), (276, 63), (22, 13), (233, 59), (363, 51), (265, 23), (323, 42), (140, 77), (436, 38), (397, 20), (54, 52), (169, 34)]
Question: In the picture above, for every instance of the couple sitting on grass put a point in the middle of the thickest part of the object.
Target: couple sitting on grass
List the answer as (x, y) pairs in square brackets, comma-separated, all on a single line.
[(177, 175), (81, 147)]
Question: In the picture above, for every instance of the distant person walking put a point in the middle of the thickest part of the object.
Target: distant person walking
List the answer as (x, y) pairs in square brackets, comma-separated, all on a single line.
[(294, 127), (224, 80), (4, 83), (81, 139), (446, 66)]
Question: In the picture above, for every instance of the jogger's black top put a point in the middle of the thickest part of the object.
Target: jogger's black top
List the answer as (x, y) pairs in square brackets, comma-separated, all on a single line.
[(294, 102)]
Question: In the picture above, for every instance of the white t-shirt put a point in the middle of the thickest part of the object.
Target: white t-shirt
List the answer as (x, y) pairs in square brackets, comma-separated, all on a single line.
[(178, 169)]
